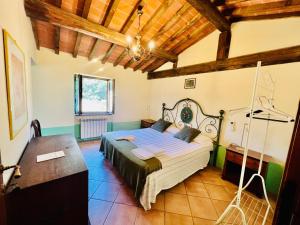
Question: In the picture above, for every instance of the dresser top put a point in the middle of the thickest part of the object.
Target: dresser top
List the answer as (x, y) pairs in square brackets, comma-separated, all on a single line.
[(34, 173), (251, 153)]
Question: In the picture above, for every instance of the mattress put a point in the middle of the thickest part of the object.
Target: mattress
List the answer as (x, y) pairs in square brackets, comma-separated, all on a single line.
[(179, 160)]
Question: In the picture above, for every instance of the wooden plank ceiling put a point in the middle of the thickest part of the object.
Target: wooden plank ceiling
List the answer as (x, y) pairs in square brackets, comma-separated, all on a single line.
[(96, 29)]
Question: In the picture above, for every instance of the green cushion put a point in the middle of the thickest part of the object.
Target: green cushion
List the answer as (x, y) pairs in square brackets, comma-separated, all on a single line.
[(161, 125), (187, 134)]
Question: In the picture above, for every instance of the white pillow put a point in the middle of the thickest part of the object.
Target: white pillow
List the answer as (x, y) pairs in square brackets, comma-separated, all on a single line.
[(172, 129), (202, 139)]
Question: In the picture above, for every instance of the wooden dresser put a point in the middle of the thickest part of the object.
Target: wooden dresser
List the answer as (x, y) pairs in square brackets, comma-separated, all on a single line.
[(233, 164), (53, 192)]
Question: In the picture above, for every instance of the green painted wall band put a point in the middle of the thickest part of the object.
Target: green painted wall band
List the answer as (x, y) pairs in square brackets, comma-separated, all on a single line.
[(75, 130)]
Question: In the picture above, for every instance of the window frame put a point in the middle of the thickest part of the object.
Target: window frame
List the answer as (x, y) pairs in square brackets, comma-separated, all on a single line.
[(109, 87)]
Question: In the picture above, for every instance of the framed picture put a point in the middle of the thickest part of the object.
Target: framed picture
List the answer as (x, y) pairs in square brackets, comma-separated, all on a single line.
[(190, 83), (15, 85)]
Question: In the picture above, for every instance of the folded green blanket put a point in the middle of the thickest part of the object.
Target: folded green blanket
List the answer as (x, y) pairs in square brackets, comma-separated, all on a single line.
[(131, 168)]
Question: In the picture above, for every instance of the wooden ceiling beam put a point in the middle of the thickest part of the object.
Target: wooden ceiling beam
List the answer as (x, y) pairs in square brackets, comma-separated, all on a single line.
[(211, 13), (109, 13), (132, 16), (129, 63), (123, 30), (147, 64), (292, 2), (278, 56), (182, 30), (56, 16), (207, 29), (35, 34), (139, 65), (108, 53), (56, 39), (264, 11), (223, 45), (156, 64), (148, 68), (120, 58), (200, 32), (57, 31), (156, 16), (169, 25), (85, 13)]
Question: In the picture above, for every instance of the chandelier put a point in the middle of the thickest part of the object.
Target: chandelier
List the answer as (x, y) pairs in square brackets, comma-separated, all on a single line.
[(135, 48)]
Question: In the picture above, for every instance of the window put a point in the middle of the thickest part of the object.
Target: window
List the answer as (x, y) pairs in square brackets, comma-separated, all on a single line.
[(93, 95)]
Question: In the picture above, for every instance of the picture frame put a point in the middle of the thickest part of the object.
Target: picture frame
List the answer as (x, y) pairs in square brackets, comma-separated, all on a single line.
[(190, 83), (15, 85)]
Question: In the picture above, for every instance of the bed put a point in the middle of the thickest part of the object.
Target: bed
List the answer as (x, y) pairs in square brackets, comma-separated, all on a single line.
[(179, 159)]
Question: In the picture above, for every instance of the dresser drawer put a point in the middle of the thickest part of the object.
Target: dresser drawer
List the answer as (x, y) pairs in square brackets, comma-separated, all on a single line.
[(238, 159)]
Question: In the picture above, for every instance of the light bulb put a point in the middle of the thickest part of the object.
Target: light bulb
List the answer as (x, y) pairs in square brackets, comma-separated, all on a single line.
[(134, 48), (129, 39), (151, 45)]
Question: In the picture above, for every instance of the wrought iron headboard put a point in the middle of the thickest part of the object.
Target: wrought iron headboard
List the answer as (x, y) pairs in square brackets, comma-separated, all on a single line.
[(209, 125)]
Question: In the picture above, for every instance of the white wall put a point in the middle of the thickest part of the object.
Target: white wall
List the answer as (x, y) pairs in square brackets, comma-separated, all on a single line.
[(232, 89), (53, 88), (14, 20)]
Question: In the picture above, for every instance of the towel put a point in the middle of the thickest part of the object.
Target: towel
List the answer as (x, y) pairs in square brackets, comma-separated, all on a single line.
[(142, 154), (153, 149), (125, 138)]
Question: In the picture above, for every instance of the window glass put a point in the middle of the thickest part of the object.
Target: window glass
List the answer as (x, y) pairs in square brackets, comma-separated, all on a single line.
[(93, 95)]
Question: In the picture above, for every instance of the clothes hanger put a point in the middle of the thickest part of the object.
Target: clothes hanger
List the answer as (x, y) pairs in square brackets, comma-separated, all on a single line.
[(269, 112)]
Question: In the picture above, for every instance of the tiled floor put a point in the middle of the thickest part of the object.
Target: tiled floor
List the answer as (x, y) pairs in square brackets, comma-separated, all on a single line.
[(199, 200)]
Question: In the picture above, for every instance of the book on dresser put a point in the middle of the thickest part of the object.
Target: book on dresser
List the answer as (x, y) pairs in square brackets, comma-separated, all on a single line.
[(52, 192)]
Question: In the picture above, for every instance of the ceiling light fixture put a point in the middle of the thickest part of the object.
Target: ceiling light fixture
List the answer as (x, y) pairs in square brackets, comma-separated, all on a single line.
[(135, 48)]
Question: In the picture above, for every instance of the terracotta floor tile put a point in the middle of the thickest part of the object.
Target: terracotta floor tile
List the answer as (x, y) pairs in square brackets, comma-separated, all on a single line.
[(202, 208), (176, 219), (178, 189), (107, 191), (194, 178), (177, 203), (212, 179), (113, 177), (232, 192), (212, 170), (160, 202), (126, 196), (198, 221), (220, 206), (98, 211), (151, 217), (96, 173), (93, 185), (196, 189), (229, 185), (121, 215), (217, 192)]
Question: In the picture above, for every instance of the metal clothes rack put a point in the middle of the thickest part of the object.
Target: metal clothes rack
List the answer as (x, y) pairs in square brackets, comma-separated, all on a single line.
[(246, 209)]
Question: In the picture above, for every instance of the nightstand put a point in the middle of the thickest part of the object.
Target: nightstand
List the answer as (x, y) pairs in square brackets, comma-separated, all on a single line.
[(147, 123), (233, 164)]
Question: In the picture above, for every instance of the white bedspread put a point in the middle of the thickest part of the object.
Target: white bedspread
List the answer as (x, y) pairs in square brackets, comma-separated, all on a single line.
[(179, 160)]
